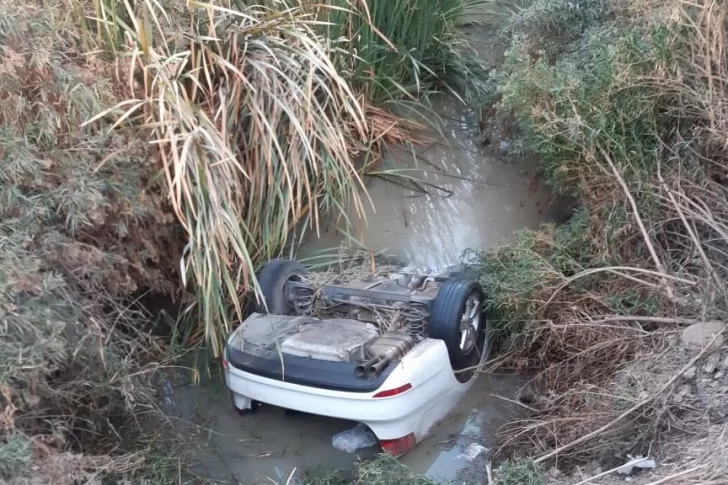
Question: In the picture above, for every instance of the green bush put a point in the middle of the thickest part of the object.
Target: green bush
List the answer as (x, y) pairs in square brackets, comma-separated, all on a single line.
[(84, 226), (585, 100), (623, 104), (552, 27), (514, 274), (519, 472), (401, 49), (383, 470), (15, 456)]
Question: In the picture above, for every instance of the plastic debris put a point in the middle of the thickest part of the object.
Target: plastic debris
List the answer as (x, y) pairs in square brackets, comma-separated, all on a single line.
[(473, 451), (636, 462), (356, 438)]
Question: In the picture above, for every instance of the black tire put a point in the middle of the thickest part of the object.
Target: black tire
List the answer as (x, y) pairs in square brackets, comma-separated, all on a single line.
[(272, 279), (445, 317)]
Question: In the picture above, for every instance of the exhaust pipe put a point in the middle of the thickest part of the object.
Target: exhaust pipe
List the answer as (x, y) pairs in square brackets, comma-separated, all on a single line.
[(388, 347), (377, 368), (361, 369)]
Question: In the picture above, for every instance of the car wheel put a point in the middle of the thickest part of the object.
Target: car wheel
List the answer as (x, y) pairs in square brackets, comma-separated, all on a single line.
[(272, 280), (457, 318)]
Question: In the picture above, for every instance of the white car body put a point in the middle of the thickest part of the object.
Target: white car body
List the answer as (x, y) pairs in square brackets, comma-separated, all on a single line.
[(434, 392), (383, 354)]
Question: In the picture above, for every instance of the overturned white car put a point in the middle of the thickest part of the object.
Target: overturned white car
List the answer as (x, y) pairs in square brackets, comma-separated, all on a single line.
[(395, 353)]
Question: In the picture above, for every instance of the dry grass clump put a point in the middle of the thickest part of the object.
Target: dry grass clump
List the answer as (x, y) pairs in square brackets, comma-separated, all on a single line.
[(82, 227), (257, 130), (631, 120)]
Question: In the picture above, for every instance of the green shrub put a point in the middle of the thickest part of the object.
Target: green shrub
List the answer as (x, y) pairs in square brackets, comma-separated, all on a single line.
[(84, 226), (515, 273), (585, 98), (624, 108), (383, 470), (15, 456), (400, 49), (519, 472)]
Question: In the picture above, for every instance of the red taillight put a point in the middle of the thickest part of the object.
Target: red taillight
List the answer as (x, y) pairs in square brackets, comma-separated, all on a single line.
[(225, 364), (394, 392), (400, 446)]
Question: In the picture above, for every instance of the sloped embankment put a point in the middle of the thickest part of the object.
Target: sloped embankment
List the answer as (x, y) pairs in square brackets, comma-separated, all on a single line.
[(621, 308)]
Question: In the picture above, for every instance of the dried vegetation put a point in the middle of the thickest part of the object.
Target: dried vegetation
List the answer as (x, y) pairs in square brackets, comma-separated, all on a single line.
[(135, 135), (627, 110), (264, 119), (83, 227)]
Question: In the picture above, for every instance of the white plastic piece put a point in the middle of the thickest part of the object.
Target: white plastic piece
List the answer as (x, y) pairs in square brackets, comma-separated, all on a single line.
[(473, 451), (636, 462), (356, 438)]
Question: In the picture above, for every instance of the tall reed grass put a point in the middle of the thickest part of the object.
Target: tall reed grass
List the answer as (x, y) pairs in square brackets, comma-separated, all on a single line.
[(397, 49), (262, 117)]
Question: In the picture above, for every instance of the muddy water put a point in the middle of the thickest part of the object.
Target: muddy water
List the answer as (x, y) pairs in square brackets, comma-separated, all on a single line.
[(478, 191), (477, 196), (272, 445), (474, 197)]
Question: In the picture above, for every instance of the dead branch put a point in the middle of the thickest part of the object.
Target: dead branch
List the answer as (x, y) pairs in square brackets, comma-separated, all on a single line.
[(643, 229), (634, 408)]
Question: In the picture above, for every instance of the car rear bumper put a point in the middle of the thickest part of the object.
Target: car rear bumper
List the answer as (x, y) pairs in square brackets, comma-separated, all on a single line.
[(322, 374), (434, 392)]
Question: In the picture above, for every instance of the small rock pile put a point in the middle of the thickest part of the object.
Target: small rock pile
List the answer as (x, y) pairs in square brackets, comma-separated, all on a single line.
[(705, 385)]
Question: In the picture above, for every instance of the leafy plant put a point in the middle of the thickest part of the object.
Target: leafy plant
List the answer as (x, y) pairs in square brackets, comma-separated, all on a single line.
[(520, 471), (399, 49), (15, 456)]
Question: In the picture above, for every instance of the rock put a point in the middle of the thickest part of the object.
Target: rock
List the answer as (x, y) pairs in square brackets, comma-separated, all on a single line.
[(724, 364), (690, 373), (699, 334), (711, 363), (681, 393), (719, 374)]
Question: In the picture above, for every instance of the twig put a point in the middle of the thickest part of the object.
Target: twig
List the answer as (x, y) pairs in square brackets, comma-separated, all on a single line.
[(634, 408), (489, 471), (614, 269), (688, 227), (635, 210), (600, 475), (515, 402), (637, 318), (676, 475)]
